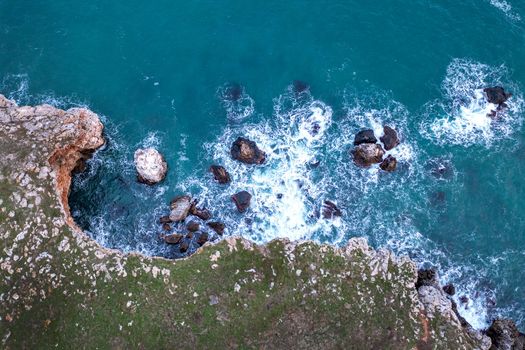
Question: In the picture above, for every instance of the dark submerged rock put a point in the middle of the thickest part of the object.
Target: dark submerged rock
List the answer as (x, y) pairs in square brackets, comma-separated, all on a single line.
[(426, 277), (367, 154), (217, 227), (441, 168), (504, 335), (233, 92), (496, 95), (180, 208), (246, 151), (300, 86), (193, 226), (449, 289), (173, 238), (365, 136), (166, 227), (389, 138), (242, 200), (389, 164), (220, 174), (330, 210)]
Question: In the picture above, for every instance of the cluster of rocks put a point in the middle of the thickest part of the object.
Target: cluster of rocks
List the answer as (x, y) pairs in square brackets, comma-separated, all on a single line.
[(184, 211), (498, 96), (181, 208), (368, 151)]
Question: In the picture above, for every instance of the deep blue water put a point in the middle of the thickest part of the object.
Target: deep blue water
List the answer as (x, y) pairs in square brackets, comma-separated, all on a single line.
[(158, 73)]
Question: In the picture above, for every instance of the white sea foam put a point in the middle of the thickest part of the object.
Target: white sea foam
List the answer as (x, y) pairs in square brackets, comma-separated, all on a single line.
[(505, 7), (462, 117)]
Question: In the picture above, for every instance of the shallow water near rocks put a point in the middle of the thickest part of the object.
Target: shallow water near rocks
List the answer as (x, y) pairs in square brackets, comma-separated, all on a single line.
[(189, 78)]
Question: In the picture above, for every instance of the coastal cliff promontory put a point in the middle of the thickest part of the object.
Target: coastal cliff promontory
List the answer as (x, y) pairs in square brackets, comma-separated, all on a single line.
[(59, 288)]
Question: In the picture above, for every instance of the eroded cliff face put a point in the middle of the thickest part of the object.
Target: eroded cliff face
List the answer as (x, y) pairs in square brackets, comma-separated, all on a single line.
[(58, 288)]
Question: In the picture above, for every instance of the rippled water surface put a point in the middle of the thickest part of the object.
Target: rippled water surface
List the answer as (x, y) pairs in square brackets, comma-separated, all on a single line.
[(162, 73)]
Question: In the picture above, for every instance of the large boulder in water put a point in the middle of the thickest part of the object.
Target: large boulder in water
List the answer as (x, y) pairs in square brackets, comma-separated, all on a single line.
[(151, 166), (388, 164), (496, 95), (367, 154), (220, 174), (242, 200), (389, 138), (505, 335), (246, 151), (180, 208), (365, 136)]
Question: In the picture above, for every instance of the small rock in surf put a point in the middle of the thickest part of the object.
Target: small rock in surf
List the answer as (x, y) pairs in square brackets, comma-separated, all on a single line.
[(389, 164), (449, 289), (246, 151), (151, 166), (166, 227), (242, 200), (180, 208), (330, 210), (193, 226), (220, 174), (203, 238), (365, 136), (366, 154), (389, 138), (173, 238), (201, 213), (217, 227)]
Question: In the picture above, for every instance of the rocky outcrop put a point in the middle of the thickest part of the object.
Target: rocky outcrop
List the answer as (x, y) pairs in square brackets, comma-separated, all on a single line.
[(246, 151), (505, 335), (151, 166), (60, 288)]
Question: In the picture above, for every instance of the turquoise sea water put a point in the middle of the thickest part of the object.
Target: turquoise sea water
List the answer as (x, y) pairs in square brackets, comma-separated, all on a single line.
[(159, 73)]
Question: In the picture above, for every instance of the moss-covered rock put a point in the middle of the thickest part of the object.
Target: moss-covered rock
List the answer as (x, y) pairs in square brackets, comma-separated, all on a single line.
[(60, 289)]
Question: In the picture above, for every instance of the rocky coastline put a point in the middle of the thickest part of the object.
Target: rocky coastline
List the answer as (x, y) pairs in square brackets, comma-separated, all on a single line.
[(59, 288)]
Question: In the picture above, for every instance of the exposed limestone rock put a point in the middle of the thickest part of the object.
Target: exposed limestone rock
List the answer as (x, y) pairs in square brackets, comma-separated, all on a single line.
[(180, 208), (151, 166)]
